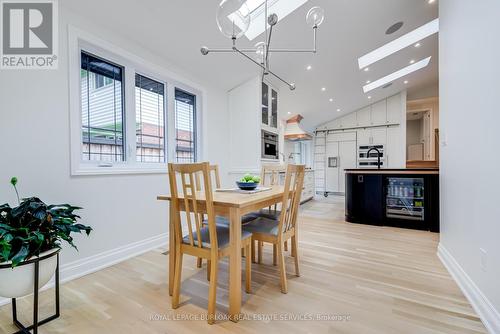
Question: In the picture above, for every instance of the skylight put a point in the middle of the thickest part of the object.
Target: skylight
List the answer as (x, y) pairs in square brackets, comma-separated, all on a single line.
[(396, 75), (400, 43), (256, 9)]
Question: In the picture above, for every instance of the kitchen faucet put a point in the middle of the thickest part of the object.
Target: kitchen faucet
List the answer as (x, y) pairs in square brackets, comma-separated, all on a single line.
[(378, 155)]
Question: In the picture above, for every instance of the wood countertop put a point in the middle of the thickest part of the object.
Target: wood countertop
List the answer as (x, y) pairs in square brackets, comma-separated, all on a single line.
[(412, 171)]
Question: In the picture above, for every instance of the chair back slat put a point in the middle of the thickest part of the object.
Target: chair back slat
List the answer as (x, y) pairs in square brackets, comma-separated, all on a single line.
[(191, 187), (294, 181), (270, 176)]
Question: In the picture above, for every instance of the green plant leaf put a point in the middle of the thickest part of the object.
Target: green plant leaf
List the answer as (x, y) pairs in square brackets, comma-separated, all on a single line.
[(20, 256)]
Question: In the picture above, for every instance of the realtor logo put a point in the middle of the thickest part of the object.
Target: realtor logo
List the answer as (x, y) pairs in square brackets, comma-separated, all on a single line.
[(29, 34)]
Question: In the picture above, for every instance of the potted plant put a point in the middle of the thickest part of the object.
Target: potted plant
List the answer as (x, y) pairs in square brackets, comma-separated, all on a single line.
[(29, 231)]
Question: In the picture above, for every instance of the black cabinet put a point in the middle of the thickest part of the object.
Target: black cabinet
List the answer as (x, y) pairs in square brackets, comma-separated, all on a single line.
[(364, 199), (399, 199)]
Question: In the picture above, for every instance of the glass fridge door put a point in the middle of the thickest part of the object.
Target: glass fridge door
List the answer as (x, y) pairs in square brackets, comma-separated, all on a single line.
[(405, 198)]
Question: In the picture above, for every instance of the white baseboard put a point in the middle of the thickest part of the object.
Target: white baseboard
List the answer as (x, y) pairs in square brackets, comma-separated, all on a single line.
[(486, 311), (91, 264)]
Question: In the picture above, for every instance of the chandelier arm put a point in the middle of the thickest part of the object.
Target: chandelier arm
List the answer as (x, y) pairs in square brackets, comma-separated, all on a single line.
[(291, 86), (268, 45), (231, 50)]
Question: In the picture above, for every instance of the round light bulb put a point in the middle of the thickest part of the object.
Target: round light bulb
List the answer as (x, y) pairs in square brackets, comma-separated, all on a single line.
[(315, 16), (233, 18)]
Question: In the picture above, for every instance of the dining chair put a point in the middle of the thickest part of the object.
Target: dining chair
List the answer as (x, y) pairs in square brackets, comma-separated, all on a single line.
[(209, 242), (277, 231), (219, 220), (270, 176)]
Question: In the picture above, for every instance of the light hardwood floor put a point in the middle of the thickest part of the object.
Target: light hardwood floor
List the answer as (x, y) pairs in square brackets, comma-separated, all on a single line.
[(385, 280)]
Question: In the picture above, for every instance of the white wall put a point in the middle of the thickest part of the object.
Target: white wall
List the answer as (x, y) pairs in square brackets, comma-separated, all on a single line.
[(34, 137), (470, 186)]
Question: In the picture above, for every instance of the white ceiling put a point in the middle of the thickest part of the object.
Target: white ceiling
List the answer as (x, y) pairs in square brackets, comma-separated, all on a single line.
[(176, 29)]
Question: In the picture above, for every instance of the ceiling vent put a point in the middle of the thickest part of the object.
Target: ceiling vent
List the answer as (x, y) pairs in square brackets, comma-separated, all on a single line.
[(387, 86), (395, 27)]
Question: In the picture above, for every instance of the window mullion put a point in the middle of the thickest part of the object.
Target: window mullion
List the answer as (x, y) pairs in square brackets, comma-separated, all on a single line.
[(130, 114)]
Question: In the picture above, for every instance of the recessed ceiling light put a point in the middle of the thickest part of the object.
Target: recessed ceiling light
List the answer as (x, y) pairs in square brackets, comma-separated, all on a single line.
[(406, 82), (309, 67), (432, 1), (331, 100), (368, 81), (369, 97), (412, 61), (417, 45), (338, 110), (400, 43), (367, 69), (289, 113), (323, 89), (396, 75)]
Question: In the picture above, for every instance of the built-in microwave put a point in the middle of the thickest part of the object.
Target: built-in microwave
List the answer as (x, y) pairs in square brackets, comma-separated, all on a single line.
[(270, 145)]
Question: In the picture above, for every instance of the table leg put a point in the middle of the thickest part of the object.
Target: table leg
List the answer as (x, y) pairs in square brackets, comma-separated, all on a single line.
[(235, 264), (171, 249)]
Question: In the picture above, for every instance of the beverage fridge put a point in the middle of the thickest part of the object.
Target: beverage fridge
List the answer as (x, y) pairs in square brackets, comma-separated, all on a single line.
[(412, 201)]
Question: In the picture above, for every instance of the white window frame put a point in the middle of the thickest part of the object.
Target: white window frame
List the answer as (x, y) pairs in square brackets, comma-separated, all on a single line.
[(79, 41)]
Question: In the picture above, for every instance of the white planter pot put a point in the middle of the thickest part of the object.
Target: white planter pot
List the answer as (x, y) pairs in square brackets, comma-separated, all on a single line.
[(19, 281)]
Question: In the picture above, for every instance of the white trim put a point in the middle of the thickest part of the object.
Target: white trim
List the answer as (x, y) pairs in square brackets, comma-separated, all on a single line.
[(484, 308), (91, 264), (78, 40)]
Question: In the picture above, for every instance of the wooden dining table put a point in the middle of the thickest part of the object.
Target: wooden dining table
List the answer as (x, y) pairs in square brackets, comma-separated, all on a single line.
[(232, 205)]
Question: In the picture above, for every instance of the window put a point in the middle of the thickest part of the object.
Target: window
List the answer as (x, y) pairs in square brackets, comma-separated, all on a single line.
[(127, 116), (101, 109), (185, 126), (149, 119)]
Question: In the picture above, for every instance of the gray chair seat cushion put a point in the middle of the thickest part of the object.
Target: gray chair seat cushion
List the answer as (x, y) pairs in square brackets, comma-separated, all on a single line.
[(222, 237), (266, 213), (262, 225), (223, 221)]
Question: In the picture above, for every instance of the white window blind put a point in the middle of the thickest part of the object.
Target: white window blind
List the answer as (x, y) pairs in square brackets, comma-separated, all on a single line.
[(102, 109), (150, 119), (185, 126)]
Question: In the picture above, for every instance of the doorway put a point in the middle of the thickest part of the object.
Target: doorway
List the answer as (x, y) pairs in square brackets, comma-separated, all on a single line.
[(418, 135)]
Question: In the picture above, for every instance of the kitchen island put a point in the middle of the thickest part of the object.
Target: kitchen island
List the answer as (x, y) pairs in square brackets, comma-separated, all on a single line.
[(406, 198)]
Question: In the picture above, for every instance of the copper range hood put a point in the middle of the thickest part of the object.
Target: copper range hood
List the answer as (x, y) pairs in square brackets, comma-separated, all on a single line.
[(293, 130)]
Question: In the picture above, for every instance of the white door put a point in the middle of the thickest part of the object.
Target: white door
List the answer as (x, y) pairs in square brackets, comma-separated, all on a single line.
[(347, 153), (332, 166)]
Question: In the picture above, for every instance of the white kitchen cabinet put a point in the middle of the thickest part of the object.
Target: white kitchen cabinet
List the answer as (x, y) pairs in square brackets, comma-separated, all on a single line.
[(340, 154), (379, 113), (364, 117), (394, 151), (379, 136), (364, 136), (336, 124), (394, 109), (372, 136), (348, 121)]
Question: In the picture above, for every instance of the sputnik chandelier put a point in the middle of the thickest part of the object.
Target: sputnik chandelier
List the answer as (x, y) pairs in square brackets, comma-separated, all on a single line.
[(234, 18)]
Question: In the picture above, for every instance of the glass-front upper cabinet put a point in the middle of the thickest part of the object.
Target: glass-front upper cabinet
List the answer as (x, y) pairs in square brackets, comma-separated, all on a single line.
[(274, 108), (265, 104), (269, 106)]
